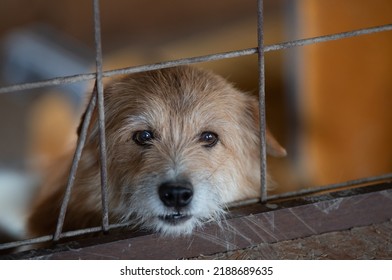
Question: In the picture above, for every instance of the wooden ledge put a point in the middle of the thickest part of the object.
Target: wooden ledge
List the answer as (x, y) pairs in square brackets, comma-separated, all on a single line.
[(245, 227)]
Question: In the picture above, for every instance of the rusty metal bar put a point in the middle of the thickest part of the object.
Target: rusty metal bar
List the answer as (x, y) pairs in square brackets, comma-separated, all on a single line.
[(197, 59), (260, 53), (315, 190), (46, 238), (75, 163), (101, 117), (331, 187)]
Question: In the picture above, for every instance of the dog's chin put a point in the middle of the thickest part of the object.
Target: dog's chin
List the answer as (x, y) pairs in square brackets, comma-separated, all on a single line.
[(174, 224)]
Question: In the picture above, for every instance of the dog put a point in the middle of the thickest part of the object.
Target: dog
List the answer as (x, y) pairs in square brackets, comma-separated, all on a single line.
[(182, 143)]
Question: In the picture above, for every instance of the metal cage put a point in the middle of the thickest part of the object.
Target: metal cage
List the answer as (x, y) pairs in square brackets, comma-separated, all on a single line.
[(97, 100)]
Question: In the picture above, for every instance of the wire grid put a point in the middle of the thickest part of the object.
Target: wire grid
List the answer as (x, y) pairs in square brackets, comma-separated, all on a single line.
[(97, 100)]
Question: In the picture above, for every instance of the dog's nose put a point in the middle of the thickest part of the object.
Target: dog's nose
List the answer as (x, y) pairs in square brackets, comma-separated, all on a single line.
[(176, 194)]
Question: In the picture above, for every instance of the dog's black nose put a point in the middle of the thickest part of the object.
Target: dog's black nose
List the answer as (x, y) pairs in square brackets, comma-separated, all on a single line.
[(176, 194)]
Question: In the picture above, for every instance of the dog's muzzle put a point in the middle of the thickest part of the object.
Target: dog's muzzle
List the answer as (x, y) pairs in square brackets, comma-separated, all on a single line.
[(176, 196)]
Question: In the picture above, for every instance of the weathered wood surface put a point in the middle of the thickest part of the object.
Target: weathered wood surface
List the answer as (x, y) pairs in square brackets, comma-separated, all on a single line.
[(359, 243)]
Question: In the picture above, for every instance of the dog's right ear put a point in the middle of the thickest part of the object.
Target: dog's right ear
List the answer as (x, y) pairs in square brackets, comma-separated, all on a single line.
[(93, 115), (79, 130)]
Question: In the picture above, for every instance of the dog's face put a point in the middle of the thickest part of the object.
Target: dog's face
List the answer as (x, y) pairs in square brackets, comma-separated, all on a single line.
[(181, 144)]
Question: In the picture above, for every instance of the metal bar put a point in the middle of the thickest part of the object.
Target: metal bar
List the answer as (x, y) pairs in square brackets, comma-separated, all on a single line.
[(330, 187), (49, 82), (101, 117), (75, 163), (84, 231), (327, 38), (46, 238), (197, 59), (182, 61), (26, 242), (315, 190), (260, 52)]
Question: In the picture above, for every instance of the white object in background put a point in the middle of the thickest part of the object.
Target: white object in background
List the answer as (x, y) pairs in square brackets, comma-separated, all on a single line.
[(16, 190)]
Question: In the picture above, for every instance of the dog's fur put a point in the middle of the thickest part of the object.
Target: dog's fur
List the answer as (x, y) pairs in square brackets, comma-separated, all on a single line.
[(204, 153)]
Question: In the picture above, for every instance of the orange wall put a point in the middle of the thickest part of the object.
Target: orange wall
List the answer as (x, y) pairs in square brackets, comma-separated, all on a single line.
[(346, 89)]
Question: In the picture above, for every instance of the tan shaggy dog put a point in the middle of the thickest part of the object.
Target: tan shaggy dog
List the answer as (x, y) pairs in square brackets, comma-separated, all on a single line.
[(181, 144)]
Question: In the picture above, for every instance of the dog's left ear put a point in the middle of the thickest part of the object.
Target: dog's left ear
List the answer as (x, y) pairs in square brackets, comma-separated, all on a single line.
[(273, 147)]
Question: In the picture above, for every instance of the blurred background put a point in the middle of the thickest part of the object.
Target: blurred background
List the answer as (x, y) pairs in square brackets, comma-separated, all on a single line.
[(329, 104)]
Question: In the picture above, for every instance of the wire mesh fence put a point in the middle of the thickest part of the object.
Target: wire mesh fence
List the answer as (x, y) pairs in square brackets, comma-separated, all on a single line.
[(97, 101)]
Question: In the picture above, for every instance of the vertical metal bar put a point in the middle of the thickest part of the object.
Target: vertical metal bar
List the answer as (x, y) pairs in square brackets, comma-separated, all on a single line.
[(101, 116), (263, 151), (75, 163)]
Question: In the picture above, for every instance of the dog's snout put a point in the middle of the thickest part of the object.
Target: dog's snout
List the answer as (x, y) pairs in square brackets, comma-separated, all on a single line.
[(174, 194)]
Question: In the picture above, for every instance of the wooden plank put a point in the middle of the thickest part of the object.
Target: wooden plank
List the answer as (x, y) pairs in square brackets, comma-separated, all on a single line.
[(248, 226), (359, 243)]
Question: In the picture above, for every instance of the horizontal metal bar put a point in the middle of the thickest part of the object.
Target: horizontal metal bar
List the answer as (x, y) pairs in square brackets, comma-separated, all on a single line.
[(331, 187), (193, 60), (314, 190), (49, 82), (182, 61), (128, 70), (327, 38), (26, 242), (67, 234), (80, 232)]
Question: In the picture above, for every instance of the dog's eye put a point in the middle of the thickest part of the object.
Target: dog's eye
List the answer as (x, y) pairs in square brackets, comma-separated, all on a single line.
[(143, 137), (209, 139)]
